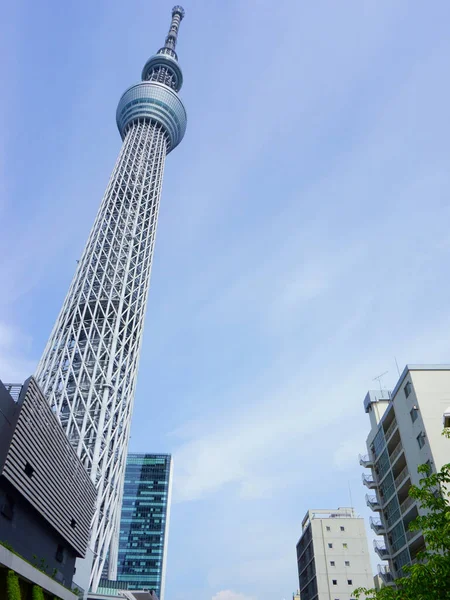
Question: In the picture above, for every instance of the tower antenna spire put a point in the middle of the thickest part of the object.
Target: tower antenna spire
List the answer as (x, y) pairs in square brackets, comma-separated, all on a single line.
[(177, 16)]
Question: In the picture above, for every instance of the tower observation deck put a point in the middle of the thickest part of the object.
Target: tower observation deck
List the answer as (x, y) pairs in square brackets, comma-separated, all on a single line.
[(89, 367)]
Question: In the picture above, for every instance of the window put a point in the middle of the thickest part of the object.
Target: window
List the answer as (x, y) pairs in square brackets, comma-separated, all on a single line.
[(60, 553), (408, 388), (332, 563), (414, 412), (345, 545), (342, 528), (334, 581), (428, 463), (421, 439), (29, 470), (349, 581), (328, 528), (73, 523), (330, 545), (7, 507), (347, 563)]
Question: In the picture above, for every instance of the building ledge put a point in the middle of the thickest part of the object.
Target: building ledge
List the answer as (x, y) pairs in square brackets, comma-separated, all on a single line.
[(23, 568)]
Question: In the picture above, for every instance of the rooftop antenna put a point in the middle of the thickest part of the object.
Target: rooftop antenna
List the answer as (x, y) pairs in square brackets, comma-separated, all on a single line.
[(379, 377), (396, 364)]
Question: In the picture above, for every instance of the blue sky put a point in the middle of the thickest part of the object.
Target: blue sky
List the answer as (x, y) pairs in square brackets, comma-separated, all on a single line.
[(303, 244)]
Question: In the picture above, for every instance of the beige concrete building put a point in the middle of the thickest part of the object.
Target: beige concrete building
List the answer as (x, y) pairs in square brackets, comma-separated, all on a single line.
[(332, 555), (406, 428)]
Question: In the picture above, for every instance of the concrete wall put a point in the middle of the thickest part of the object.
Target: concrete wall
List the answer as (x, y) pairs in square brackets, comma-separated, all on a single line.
[(359, 571), (29, 573), (31, 537), (56, 484)]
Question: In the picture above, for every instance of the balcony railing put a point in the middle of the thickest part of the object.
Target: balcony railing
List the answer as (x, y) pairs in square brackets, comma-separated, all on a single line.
[(404, 473), (369, 481), (377, 525), (398, 448), (390, 430), (381, 549), (366, 460), (385, 574), (372, 502), (410, 535), (407, 504)]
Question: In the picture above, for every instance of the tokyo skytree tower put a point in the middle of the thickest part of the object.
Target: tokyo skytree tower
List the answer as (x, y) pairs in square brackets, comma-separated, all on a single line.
[(89, 366)]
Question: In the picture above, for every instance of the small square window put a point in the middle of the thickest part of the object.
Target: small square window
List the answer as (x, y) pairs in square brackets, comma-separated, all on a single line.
[(347, 563), (350, 581), (332, 563), (29, 470), (330, 545), (414, 412), (408, 388), (421, 440), (342, 528), (345, 545), (73, 523), (334, 581), (328, 528)]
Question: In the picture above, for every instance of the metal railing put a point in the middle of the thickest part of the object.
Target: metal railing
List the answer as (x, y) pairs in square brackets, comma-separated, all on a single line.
[(406, 504), (412, 534), (381, 549), (377, 525), (372, 502), (390, 430), (401, 476), (398, 448), (368, 481), (366, 460), (385, 573)]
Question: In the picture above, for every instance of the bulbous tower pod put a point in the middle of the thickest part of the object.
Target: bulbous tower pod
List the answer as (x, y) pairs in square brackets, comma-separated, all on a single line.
[(89, 366)]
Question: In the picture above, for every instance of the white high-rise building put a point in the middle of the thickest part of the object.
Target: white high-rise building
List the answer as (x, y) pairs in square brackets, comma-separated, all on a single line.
[(88, 370), (333, 555), (406, 431)]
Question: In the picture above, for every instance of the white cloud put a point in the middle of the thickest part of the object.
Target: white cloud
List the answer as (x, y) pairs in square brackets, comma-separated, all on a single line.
[(230, 595)]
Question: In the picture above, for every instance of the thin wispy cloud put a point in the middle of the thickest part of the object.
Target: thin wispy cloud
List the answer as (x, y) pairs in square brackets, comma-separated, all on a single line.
[(302, 246)]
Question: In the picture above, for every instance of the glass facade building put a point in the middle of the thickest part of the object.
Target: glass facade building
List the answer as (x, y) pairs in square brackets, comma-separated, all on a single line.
[(144, 525)]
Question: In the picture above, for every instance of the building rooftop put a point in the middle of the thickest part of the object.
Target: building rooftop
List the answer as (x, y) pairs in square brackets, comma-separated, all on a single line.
[(319, 513)]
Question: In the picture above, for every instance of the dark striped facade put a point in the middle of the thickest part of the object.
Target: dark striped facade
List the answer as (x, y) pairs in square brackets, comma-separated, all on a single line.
[(38, 461)]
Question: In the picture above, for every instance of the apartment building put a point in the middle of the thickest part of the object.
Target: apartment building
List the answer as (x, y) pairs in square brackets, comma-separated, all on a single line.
[(406, 428), (333, 555)]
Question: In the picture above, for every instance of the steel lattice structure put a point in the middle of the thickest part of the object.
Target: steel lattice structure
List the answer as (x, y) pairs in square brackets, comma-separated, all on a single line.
[(89, 367)]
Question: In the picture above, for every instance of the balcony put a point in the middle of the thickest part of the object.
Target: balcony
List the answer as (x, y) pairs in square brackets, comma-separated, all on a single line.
[(366, 460), (390, 430), (404, 473), (377, 526), (396, 452), (411, 535), (369, 481), (407, 504), (381, 550), (372, 502), (385, 574)]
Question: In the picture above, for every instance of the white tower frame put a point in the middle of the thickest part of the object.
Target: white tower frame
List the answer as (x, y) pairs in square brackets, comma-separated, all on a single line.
[(89, 367)]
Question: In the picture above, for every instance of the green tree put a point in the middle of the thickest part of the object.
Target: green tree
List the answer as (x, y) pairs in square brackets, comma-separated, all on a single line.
[(429, 578), (12, 586), (38, 593)]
